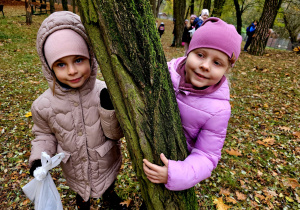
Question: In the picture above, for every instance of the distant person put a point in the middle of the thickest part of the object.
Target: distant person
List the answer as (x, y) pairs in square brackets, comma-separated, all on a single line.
[(199, 20), (203, 97), (250, 33), (161, 29), (174, 29), (186, 36)]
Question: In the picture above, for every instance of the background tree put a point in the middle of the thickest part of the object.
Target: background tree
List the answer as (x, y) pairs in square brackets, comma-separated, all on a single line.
[(52, 7), (74, 6), (65, 4), (266, 21), (153, 5), (206, 5), (131, 59), (178, 13), (28, 12), (291, 18), (218, 8), (240, 9)]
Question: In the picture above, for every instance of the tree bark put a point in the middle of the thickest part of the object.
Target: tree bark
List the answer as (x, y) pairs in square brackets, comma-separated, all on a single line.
[(218, 8), (178, 13), (238, 16), (157, 7), (65, 5), (131, 59), (266, 21), (52, 7)]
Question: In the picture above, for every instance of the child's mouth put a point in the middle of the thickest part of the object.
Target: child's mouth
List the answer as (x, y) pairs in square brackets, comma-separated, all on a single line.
[(75, 80), (200, 75)]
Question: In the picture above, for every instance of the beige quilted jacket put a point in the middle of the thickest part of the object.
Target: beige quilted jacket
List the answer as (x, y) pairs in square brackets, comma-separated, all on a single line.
[(73, 122)]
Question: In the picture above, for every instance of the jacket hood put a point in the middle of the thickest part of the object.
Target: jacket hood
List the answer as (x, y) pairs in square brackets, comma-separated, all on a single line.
[(58, 21)]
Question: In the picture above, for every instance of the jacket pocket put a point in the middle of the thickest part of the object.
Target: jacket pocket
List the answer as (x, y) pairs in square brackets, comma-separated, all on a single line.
[(67, 164), (104, 148)]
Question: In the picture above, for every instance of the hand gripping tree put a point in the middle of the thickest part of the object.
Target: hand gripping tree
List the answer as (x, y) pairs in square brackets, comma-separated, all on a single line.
[(131, 59)]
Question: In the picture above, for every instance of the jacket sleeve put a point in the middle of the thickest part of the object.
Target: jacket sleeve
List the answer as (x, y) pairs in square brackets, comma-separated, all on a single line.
[(204, 156), (252, 28), (45, 140), (110, 124)]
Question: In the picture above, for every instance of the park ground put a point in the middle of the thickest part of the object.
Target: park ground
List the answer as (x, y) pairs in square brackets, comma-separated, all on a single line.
[(259, 168)]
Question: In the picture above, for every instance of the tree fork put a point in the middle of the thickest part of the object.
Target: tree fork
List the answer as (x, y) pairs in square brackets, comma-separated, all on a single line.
[(131, 59)]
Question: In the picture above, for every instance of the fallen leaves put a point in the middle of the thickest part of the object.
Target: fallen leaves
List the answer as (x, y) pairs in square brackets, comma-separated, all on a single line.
[(220, 204), (266, 142), (290, 182), (233, 152)]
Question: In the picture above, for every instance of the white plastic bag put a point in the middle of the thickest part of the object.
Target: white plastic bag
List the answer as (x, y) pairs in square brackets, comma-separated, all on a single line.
[(192, 32), (42, 190)]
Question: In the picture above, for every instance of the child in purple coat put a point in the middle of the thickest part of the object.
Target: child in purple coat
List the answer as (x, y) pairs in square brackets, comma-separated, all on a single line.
[(202, 94)]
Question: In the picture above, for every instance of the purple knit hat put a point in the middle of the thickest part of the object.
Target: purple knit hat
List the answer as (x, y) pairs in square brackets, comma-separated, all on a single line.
[(63, 43), (216, 34)]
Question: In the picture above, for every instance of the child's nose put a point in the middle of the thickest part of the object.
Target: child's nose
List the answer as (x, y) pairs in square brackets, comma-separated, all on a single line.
[(205, 65), (72, 70)]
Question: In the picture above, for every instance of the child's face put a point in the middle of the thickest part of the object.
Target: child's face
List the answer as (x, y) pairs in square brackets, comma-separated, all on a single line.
[(72, 70), (204, 17), (192, 19), (205, 67)]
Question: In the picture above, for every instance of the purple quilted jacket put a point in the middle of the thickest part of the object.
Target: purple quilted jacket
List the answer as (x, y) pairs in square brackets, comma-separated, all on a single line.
[(204, 117)]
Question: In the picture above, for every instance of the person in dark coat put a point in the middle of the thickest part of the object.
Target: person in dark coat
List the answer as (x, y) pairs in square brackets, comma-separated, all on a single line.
[(250, 33), (161, 29)]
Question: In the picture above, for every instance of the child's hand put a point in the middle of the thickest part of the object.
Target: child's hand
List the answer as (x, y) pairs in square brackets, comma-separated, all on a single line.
[(155, 173)]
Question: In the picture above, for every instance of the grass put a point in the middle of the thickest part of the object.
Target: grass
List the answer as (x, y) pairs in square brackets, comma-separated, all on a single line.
[(263, 132)]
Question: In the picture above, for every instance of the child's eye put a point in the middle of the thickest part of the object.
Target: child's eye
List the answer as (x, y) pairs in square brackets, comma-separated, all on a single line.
[(60, 65), (217, 63), (200, 55), (78, 60)]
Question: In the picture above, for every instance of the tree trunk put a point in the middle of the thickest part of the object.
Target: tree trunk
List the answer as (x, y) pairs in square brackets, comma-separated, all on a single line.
[(206, 5), (28, 12), (65, 5), (153, 7), (238, 16), (178, 13), (218, 8), (192, 6), (131, 59), (74, 6), (52, 7), (266, 21), (157, 7)]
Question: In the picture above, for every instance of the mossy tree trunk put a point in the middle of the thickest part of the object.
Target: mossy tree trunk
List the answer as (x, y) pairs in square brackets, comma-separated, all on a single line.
[(131, 59), (266, 21)]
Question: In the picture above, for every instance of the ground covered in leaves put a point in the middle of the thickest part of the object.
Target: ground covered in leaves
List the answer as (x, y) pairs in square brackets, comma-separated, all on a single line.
[(259, 168)]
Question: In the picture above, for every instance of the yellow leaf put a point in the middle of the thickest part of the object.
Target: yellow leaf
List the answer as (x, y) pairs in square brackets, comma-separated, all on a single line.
[(266, 105), (289, 199), (233, 152), (220, 204), (269, 141), (28, 114)]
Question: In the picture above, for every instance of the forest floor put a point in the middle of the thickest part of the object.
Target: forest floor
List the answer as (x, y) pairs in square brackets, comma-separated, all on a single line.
[(259, 168)]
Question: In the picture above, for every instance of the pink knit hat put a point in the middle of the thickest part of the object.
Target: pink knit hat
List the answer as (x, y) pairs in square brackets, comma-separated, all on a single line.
[(216, 34), (63, 43)]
